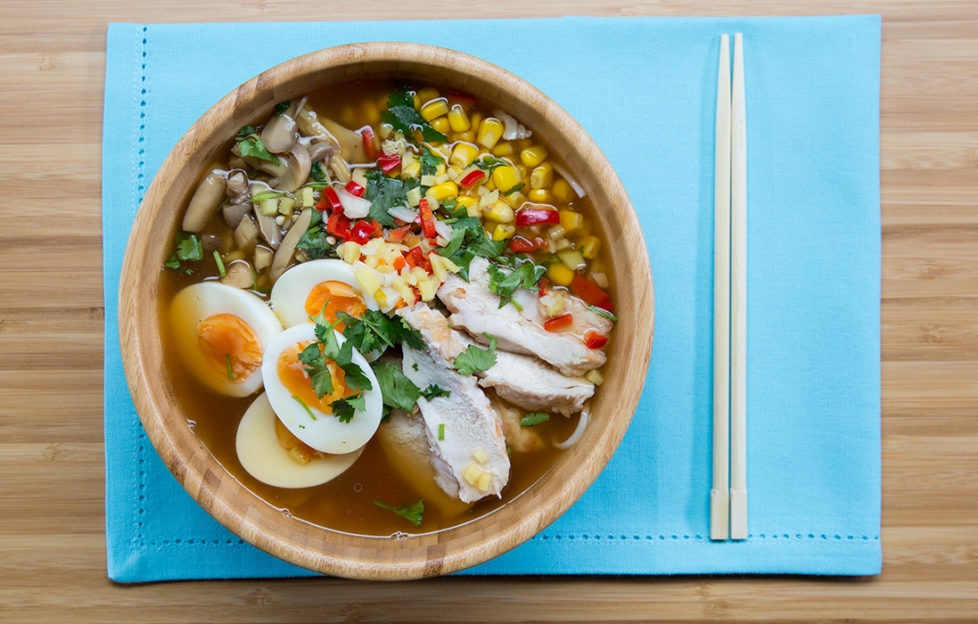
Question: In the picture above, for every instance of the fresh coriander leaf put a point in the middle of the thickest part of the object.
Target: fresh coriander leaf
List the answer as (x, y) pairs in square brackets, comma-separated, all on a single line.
[(385, 192), (355, 378), (455, 242), (189, 247), (602, 312), (405, 334), (412, 513), (505, 284), (429, 161), (456, 210), (251, 145), (314, 242), (534, 418), (245, 131), (475, 359), (403, 116), (441, 431), (346, 408), (172, 262), (488, 163), (317, 172), (281, 107), (514, 189), (449, 205), (434, 391), (315, 365), (414, 366), (305, 407), (398, 391)]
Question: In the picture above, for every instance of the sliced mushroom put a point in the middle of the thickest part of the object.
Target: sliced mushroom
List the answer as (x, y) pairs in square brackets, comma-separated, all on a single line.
[(322, 150), (284, 254), (298, 165), (350, 141), (269, 229), (263, 258), (239, 198), (203, 205), (310, 126), (239, 274), (211, 242), (246, 234), (340, 169), (279, 134)]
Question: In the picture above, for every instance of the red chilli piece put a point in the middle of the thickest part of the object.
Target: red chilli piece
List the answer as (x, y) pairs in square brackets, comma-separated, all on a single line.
[(461, 97), (387, 162), (339, 225), (369, 143), (397, 234), (558, 322), (594, 340), (591, 294), (362, 232), (427, 219), (330, 200), (536, 216), (472, 178), (354, 189)]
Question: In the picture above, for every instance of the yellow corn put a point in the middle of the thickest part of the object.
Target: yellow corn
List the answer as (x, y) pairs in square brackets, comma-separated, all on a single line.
[(476, 120), (570, 220), (503, 148), (434, 108), (562, 190), (500, 212), (542, 176), (463, 154), (427, 93), (539, 195), (467, 201), (589, 247), (534, 155), (468, 135), (441, 124), (489, 132), (505, 178), (410, 167), (443, 191), (560, 274), (458, 119), (504, 231)]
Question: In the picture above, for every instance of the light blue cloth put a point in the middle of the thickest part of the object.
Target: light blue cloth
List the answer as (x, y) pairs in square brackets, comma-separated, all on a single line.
[(645, 90)]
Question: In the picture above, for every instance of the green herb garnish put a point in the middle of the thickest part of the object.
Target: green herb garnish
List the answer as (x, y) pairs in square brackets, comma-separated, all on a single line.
[(488, 163), (314, 242), (385, 192), (398, 391), (441, 431), (188, 249), (534, 418), (249, 144), (305, 407), (434, 391), (411, 513), (281, 107), (475, 359), (220, 265), (315, 358), (317, 172), (602, 312), (227, 360), (514, 189), (429, 161), (347, 407), (403, 116), (375, 331), (526, 275)]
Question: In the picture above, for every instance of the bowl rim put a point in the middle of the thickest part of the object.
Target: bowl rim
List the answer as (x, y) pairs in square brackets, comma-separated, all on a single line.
[(226, 499)]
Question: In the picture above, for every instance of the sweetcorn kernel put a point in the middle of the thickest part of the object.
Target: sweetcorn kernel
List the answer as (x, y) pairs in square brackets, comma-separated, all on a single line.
[(500, 212), (503, 231), (534, 155), (539, 195), (570, 220), (458, 119), (463, 154), (441, 125), (490, 130), (562, 190), (505, 178), (560, 274), (542, 176)]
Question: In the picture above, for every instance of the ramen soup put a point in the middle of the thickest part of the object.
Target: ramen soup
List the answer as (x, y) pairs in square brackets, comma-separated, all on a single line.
[(386, 309)]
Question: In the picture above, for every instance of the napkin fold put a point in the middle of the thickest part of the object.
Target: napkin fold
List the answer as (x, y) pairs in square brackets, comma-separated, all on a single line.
[(644, 88)]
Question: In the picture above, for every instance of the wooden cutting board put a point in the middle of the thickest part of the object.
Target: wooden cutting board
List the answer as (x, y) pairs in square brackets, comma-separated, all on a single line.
[(52, 545)]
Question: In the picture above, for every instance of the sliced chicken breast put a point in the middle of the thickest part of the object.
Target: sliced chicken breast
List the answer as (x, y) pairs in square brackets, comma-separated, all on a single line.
[(463, 430), (476, 309), (529, 383)]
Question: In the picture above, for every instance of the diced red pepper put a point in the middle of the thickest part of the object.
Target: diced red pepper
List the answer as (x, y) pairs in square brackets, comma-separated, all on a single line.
[(331, 200), (594, 340), (339, 225), (355, 189), (362, 232), (386, 162), (591, 294), (417, 258), (520, 244), (377, 229), (397, 234), (558, 322), (399, 263), (369, 142), (542, 286), (536, 216), (472, 178), (427, 220)]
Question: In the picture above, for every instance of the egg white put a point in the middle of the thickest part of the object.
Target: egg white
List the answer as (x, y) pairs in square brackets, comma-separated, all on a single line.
[(261, 454), (324, 433), (199, 301), (291, 290)]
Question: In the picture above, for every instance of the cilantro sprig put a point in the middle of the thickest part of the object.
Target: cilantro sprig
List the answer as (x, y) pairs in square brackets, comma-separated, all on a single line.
[(534, 418), (476, 359), (402, 115), (400, 392), (429, 161), (411, 513), (249, 144), (188, 249), (504, 284), (375, 331), (385, 192)]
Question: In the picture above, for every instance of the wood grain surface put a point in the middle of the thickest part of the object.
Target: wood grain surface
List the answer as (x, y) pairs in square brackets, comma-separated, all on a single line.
[(52, 544)]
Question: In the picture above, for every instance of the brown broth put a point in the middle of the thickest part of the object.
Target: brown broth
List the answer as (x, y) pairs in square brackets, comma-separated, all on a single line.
[(346, 503)]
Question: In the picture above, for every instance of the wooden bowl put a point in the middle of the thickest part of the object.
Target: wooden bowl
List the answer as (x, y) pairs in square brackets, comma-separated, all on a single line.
[(321, 549)]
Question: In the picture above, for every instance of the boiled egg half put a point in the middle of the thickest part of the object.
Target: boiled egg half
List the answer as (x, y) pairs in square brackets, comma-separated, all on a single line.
[(306, 289), (308, 417), (221, 333), (271, 454)]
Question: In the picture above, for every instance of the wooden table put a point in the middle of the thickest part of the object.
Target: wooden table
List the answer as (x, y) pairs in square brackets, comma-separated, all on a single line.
[(52, 544)]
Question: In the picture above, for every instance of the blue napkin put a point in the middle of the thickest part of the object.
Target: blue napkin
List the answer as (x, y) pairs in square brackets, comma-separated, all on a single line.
[(644, 88)]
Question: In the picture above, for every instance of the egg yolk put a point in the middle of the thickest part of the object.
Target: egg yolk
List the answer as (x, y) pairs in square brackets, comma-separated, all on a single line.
[(336, 297), (230, 345), (292, 373), (299, 451)]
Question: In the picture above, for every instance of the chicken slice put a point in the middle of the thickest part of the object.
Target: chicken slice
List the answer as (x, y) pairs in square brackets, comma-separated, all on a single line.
[(464, 432), (476, 309), (527, 382)]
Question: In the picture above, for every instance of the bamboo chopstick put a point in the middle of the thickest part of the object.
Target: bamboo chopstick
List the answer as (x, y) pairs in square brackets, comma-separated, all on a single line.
[(719, 495), (728, 497), (738, 298)]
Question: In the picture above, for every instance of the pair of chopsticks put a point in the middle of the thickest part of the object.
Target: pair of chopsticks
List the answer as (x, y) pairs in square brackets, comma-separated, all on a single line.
[(728, 498)]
